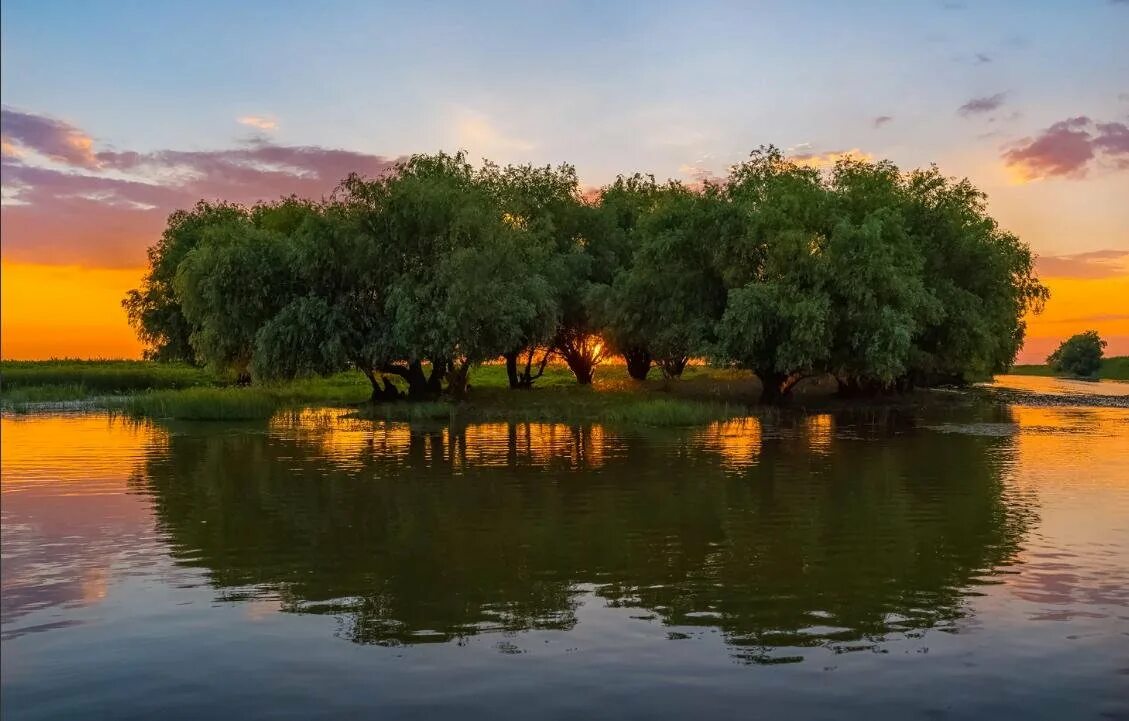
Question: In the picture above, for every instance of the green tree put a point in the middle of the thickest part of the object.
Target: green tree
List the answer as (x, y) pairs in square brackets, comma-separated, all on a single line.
[(231, 284), (154, 309), (981, 280), (874, 277), (1079, 355), (663, 305), (544, 203), (623, 206), (777, 321)]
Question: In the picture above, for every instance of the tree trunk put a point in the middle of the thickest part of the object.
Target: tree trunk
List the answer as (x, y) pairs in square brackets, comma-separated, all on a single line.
[(581, 366), (522, 376), (772, 386), (435, 379), (511, 368), (673, 367), (457, 376), (638, 362), (382, 388), (582, 352)]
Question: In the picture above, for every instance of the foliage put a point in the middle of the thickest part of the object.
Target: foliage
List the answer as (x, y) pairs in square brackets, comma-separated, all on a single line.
[(1079, 355), (665, 302), (154, 309), (882, 279)]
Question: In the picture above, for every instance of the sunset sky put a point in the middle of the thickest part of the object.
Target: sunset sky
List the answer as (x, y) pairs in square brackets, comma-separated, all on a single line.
[(116, 113)]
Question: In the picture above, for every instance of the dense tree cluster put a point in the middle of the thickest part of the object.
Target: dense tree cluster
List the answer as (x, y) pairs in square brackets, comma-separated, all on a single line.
[(1079, 355), (881, 278)]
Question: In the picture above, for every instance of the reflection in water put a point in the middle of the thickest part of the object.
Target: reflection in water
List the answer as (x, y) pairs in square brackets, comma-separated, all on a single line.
[(550, 569), (736, 441), (66, 518), (418, 535), (820, 427)]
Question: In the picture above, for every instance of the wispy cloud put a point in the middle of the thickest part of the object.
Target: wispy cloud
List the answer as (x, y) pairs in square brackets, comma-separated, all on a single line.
[(828, 158), (979, 106), (260, 122), (1109, 263), (478, 134), (104, 208), (52, 138), (1068, 149)]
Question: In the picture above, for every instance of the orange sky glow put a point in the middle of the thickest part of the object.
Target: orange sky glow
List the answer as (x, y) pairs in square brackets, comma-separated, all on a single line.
[(67, 311)]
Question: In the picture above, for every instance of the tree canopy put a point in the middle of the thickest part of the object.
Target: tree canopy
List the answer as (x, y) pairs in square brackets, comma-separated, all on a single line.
[(1079, 355), (882, 278)]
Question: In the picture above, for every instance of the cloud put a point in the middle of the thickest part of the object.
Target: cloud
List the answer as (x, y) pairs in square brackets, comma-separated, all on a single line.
[(50, 137), (103, 209), (978, 106), (882, 120), (476, 133), (1068, 149), (1092, 265), (829, 158), (260, 122)]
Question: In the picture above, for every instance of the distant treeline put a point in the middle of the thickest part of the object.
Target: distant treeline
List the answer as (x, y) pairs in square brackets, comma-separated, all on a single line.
[(881, 278)]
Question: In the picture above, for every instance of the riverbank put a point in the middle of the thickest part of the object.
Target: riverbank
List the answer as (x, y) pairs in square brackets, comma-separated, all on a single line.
[(181, 392), (1113, 369), (147, 389)]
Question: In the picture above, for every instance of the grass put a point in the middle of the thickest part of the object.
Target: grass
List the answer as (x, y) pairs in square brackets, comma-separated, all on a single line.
[(91, 378), (140, 388), (1113, 369), (202, 404), (650, 404)]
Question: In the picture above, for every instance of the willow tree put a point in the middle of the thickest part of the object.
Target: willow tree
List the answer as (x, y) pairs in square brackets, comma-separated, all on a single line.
[(777, 319), (338, 318), (981, 280), (874, 277), (543, 203), (153, 308), (239, 275), (462, 285), (662, 306)]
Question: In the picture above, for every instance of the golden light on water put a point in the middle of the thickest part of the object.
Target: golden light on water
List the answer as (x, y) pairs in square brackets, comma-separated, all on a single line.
[(737, 441), (351, 443), (820, 431), (538, 444), (52, 449), (345, 441)]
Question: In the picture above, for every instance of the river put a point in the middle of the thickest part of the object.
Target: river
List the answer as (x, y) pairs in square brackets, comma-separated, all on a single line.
[(964, 557)]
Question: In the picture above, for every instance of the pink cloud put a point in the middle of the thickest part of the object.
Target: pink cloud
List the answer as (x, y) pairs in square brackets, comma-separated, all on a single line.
[(55, 139), (104, 208), (1094, 264), (1067, 149)]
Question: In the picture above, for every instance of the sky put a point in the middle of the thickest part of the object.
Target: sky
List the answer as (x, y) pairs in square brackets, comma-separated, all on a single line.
[(116, 113)]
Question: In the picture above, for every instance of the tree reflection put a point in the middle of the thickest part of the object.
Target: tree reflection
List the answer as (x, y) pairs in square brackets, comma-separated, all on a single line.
[(833, 531)]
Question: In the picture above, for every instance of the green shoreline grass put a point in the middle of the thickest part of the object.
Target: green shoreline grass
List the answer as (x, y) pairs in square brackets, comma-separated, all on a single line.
[(151, 390), (1112, 369), (145, 389)]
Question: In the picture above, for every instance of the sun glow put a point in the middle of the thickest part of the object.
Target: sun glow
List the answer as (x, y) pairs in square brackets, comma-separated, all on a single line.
[(57, 311)]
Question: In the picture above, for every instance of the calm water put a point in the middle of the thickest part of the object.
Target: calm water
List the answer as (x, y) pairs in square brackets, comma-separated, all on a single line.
[(966, 561)]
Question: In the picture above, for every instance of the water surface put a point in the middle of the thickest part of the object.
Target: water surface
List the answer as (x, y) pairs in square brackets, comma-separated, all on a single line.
[(964, 558)]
